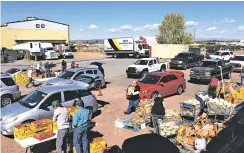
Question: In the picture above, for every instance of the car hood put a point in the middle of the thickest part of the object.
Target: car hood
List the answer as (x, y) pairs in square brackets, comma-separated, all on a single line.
[(178, 59), (59, 81), (144, 86), (202, 69), (13, 110), (138, 66), (215, 56)]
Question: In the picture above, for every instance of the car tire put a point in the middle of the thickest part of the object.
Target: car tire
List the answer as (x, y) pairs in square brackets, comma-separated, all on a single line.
[(137, 56), (128, 76), (180, 90), (228, 76), (90, 112), (154, 95), (6, 100), (98, 85), (184, 66), (162, 69), (144, 73), (116, 56)]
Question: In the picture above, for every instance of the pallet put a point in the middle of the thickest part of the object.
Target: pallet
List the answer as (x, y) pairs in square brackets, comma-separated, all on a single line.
[(128, 125)]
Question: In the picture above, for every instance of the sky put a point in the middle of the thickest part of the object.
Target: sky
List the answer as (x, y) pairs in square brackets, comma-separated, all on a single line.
[(98, 20)]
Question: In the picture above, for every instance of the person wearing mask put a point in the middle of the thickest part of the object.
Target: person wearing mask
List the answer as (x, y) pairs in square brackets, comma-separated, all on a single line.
[(133, 98), (72, 64), (38, 69), (64, 65), (30, 80), (62, 118), (158, 111), (47, 70), (80, 123), (213, 86), (242, 76)]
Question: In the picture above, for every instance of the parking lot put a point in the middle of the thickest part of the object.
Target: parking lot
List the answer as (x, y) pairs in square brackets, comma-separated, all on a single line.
[(114, 103)]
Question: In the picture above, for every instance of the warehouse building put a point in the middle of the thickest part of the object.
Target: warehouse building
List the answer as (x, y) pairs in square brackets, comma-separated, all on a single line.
[(34, 29)]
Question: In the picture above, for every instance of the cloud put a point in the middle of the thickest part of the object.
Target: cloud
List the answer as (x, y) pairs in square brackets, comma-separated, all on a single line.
[(199, 30), (241, 28), (191, 23), (222, 32), (126, 27), (228, 20), (81, 29), (92, 26), (135, 29), (211, 29)]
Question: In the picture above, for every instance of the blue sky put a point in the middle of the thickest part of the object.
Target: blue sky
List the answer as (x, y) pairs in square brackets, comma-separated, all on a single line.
[(93, 20)]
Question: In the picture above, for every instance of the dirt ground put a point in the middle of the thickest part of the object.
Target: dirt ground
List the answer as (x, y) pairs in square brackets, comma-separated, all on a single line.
[(87, 55), (113, 105)]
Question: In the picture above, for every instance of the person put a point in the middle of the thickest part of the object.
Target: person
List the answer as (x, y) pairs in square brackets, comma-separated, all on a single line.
[(133, 98), (213, 86), (80, 123), (29, 75), (62, 118), (47, 70), (77, 65), (64, 65), (242, 76), (157, 112), (72, 64), (38, 69), (207, 55)]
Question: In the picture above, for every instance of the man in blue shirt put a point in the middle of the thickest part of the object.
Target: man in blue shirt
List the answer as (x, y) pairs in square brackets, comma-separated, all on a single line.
[(80, 124)]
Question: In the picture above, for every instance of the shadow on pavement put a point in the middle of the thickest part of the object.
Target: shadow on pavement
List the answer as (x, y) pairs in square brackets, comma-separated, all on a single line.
[(198, 82)]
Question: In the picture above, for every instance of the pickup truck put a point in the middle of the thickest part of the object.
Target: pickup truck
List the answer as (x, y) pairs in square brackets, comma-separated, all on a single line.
[(185, 60), (210, 68), (144, 66), (237, 62), (224, 55)]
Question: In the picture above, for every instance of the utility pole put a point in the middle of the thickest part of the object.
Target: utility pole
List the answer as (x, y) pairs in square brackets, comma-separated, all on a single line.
[(194, 34)]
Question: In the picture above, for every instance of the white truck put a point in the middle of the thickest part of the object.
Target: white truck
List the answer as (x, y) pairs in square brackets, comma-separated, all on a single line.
[(223, 55), (64, 51), (130, 46), (238, 62), (33, 47), (48, 51), (146, 65)]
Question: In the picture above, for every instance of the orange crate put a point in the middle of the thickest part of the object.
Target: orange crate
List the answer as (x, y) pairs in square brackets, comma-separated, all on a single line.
[(42, 124), (41, 135)]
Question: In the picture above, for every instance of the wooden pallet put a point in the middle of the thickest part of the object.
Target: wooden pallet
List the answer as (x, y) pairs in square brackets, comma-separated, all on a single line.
[(128, 125)]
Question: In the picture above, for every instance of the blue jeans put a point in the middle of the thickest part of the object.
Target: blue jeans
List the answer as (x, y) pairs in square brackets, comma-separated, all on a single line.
[(48, 73), (133, 104), (62, 140), (80, 134)]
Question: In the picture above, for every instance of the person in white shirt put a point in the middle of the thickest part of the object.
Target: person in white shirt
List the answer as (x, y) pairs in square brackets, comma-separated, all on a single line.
[(37, 69), (29, 75), (62, 118)]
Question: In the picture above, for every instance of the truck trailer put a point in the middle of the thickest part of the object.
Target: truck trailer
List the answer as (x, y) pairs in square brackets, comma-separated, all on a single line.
[(128, 46), (33, 47)]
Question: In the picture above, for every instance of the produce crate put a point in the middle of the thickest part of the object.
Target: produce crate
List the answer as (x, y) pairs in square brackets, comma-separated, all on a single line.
[(43, 124), (97, 145), (190, 108), (216, 110), (71, 110), (41, 135), (128, 125), (55, 126), (23, 131)]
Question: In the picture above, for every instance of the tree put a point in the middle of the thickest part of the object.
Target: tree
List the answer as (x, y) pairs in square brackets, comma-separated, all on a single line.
[(172, 30)]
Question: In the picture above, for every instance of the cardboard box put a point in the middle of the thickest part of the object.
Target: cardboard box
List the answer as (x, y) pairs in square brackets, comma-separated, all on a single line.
[(43, 124)]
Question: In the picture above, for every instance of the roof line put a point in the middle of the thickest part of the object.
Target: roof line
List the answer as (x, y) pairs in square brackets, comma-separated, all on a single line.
[(38, 19)]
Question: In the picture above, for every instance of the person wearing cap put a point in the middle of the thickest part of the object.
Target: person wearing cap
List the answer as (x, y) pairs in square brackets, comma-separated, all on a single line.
[(80, 123), (158, 111), (62, 118)]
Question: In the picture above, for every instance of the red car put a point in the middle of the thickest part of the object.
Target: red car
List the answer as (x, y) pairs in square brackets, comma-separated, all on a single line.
[(163, 83)]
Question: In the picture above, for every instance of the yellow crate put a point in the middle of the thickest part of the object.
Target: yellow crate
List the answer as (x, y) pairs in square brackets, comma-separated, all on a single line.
[(97, 145), (24, 135), (55, 126), (43, 124)]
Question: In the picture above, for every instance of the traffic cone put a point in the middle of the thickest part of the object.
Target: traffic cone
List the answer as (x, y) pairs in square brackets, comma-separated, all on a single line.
[(99, 92)]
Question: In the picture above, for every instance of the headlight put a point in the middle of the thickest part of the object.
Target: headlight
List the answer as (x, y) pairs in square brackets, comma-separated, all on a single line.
[(207, 73), (10, 120), (180, 62), (145, 91), (192, 72), (139, 69)]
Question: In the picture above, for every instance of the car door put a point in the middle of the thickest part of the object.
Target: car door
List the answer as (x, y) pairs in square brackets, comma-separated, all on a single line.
[(86, 97), (69, 97), (151, 66), (45, 109), (164, 88), (225, 56), (174, 83), (78, 74)]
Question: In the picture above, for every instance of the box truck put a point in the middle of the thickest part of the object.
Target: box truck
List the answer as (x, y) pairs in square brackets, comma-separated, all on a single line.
[(33, 47), (130, 46)]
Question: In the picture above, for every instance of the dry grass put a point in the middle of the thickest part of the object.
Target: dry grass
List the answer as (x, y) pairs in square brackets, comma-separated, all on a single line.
[(88, 55)]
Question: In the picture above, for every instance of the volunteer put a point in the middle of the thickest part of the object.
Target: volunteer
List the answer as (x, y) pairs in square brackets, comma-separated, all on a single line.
[(158, 111), (133, 98), (62, 118), (72, 64), (64, 65), (47, 69), (242, 76), (30, 80), (213, 86), (80, 124)]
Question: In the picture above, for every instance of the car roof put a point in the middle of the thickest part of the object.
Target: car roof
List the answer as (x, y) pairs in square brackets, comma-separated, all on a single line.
[(213, 60), (223, 51), (48, 89), (83, 68), (147, 58), (160, 73)]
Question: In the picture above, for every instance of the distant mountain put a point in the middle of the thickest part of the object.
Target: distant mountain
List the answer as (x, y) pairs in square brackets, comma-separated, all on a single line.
[(218, 39), (89, 41)]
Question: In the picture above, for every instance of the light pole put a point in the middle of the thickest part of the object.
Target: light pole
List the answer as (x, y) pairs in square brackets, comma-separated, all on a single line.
[(220, 67)]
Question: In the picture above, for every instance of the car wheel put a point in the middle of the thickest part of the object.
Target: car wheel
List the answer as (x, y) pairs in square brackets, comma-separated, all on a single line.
[(228, 76), (27, 121), (128, 76), (180, 90), (116, 55), (90, 112), (154, 95), (137, 56), (98, 85), (64, 56), (184, 66), (6, 100), (144, 73), (162, 69)]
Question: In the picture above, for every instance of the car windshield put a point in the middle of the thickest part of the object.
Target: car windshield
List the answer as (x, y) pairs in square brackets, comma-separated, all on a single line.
[(66, 75), (85, 79), (67, 50), (49, 48), (182, 55), (145, 46), (149, 79), (141, 62), (209, 64), (33, 99), (217, 53), (238, 58), (12, 71)]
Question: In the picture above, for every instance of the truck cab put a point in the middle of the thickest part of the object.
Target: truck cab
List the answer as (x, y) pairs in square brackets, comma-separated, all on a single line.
[(141, 49), (146, 65), (49, 53)]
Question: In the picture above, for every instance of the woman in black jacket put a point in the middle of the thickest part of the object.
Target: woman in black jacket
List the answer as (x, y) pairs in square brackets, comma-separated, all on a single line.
[(158, 111)]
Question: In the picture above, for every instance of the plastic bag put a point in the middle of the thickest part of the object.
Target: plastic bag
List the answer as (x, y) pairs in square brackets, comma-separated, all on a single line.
[(118, 123)]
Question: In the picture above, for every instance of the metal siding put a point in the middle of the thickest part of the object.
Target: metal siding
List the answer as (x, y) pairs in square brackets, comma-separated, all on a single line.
[(32, 25)]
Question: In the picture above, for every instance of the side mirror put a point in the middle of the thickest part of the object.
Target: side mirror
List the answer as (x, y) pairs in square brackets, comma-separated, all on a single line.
[(45, 107)]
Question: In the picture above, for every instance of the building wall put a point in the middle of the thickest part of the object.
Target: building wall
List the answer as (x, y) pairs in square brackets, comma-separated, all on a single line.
[(28, 31), (168, 50)]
